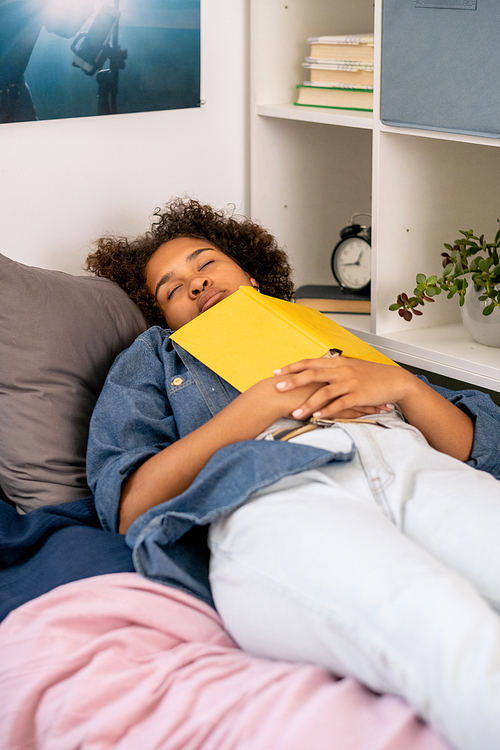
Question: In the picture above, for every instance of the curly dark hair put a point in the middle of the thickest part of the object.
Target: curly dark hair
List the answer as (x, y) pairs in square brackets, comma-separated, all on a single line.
[(247, 243)]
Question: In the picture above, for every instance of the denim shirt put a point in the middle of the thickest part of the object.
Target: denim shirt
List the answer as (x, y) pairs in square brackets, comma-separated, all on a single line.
[(155, 394)]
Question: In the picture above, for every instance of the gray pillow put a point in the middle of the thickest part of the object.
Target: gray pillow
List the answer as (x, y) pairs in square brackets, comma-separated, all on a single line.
[(59, 335)]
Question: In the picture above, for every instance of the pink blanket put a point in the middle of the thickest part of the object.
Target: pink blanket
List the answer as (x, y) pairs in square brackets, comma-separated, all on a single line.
[(119, 662)]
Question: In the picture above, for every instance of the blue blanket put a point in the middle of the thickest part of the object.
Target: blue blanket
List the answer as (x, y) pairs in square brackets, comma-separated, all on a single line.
[(54, 545)]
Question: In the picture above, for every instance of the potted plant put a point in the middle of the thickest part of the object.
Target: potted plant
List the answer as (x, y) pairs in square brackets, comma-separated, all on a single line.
[(470, 258)]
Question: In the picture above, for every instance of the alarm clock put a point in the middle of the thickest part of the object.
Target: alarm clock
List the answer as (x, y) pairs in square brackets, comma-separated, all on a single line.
[(351, 257)]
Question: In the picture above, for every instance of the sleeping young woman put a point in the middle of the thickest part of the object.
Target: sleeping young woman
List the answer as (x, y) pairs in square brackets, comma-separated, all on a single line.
[(370, 546)]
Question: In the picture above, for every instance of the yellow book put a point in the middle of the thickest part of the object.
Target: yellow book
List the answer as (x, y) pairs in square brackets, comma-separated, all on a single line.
[(248, 335)]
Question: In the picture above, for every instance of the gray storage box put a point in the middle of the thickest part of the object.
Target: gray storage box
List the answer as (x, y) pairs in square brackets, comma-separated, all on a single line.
[(441, 65)]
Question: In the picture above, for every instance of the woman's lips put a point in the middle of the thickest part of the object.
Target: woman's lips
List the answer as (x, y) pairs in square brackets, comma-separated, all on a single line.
[(209, 299)]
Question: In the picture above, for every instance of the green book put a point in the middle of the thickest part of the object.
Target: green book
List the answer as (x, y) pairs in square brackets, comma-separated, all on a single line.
[(334, 97)]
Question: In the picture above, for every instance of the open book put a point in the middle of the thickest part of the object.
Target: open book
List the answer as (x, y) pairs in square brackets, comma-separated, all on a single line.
[(248, 335)]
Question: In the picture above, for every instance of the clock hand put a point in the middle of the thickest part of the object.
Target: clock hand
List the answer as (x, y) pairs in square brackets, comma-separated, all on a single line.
[(356, 263)]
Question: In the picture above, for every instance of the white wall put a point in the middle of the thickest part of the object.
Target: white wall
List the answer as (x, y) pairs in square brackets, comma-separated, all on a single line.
[(65, 182)]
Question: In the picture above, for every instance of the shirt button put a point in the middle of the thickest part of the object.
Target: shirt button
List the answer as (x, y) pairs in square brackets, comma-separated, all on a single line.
[(177, 381)]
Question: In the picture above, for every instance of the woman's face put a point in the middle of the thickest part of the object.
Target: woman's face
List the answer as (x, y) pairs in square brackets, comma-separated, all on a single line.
[(188, 276)]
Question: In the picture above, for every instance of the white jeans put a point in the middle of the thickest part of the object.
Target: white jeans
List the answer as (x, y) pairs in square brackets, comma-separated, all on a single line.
[(386, 568)]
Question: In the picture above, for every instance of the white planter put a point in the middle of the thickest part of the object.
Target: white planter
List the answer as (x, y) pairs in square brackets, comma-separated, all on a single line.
[(485, 329)]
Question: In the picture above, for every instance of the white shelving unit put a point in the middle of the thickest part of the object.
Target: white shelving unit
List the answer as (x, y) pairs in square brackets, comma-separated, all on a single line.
[(312, 168)]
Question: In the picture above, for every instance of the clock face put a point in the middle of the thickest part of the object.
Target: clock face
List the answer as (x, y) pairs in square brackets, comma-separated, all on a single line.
[(352, 263)]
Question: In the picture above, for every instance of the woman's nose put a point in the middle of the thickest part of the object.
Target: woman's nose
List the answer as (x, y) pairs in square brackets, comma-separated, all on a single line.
[(198, 285)]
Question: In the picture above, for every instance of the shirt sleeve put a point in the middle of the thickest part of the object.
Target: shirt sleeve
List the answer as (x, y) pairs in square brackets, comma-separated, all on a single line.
[(485, 415), (131, 422)]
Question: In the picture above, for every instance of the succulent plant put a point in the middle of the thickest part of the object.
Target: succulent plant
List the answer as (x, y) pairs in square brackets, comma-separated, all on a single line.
[(469, 257)]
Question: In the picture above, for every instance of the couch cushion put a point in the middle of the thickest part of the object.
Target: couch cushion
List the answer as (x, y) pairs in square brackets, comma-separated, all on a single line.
[(59, 334)]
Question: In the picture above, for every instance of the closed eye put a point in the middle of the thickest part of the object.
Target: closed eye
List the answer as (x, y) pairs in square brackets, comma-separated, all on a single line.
[(172, 291)]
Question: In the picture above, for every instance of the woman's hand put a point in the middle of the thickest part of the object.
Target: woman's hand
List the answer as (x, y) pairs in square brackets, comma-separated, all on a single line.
[(345, 386), (350, 384)]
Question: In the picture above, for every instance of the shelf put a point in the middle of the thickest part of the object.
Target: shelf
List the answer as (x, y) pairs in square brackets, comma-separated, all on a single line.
[(317, 114), (446, 350), (441, 135)]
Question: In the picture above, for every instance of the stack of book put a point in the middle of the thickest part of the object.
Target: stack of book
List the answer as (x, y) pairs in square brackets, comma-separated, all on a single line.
[(333, 299), (340, 73)]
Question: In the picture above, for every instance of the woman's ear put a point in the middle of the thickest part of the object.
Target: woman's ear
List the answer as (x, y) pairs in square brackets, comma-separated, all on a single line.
[(253, 283)]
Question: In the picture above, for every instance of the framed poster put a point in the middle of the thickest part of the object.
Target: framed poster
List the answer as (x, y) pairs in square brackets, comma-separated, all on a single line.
[(79, 58)]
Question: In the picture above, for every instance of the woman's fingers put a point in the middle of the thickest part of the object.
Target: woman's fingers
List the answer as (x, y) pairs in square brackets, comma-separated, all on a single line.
[(288, 381), (336, 384), (306, 364), (326, 402), (344, 384)]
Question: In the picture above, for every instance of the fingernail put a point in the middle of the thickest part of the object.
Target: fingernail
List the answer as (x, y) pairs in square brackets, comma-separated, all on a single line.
[(281, 385), (277, 372), (386, 408), (296, 413), (317, 414)]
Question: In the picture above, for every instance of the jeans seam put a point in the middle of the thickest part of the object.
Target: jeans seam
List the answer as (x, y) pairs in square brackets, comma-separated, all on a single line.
[(376, 483)]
